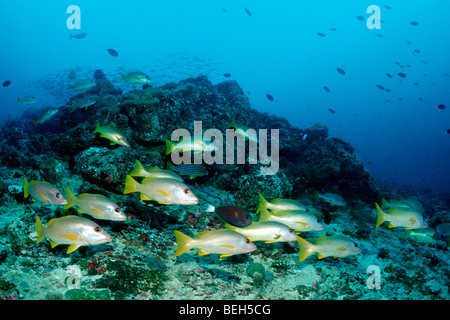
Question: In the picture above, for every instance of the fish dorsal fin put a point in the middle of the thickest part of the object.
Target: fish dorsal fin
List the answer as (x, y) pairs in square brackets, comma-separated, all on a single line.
[(202, 233), (202, 252), (71, 236), (226, 245), (164, 192), (54, 219), (320, 239), (72, 248), (144, 197), (321, 256), (147, 179)]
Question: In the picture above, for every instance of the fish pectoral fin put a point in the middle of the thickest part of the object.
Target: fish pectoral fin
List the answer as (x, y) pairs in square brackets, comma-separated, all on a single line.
[(202, 252), (71, 236), (276, 236), (230, 246), (43, 196), (321, 256), (52, 244), (223, 256), (72, 248), (79, 210), (412, 220), (167, 194), (144, 197)]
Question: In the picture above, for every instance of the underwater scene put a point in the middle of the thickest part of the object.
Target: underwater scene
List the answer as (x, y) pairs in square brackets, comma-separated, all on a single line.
[(224, 150)]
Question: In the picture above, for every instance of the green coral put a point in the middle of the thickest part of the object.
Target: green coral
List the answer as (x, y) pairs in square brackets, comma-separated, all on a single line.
[(126, 280)]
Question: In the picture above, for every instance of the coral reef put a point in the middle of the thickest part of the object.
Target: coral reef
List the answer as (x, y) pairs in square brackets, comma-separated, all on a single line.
[(140, 264)]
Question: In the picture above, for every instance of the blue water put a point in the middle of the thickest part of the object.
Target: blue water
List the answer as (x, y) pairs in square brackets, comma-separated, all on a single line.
[(276, 50)]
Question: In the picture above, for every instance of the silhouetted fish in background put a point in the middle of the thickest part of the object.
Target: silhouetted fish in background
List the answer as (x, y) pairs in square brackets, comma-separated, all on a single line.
[(6, 83), (401, 74), (269, 96), (321, 34), (227, 75), (414, 23), (331, 110), (113, 52), (341, 71), (78, 36), (248, 12), (441, 106)]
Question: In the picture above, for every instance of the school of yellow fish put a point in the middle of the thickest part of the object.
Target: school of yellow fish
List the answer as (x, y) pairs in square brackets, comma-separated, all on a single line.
[(280, 220)]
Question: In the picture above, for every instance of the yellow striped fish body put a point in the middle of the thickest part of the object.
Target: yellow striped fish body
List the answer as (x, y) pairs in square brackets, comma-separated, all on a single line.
[(43, 191), (154, 172), (112, 134), (279, 204), (333, 246), (266, 231), (96, 205), (72, 230), (297, 220)]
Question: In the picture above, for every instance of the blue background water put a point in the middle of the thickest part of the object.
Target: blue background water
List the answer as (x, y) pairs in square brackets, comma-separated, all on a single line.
[(276, 50)]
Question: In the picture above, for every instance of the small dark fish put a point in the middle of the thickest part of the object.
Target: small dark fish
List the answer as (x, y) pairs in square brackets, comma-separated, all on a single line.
[(416, 83), (332, 29), (113, 52), (401, 74), (387, 7), (6, 83), (414, 23), (331, 110), (269, 96), (388, 75), (326, 89), (78, 36), (248, 12), (321, 34), (234, 215), (448, 131), (441, 106), (420, 99), (408, 42), (379, 86), (379, 35), (417, 51), (341, 71), (360, 18), (387, 90), (446, 75), (224, 10), (227, 75), (191, 170)]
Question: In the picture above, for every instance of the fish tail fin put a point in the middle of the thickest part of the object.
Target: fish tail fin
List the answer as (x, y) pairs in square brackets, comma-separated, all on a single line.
[(97, 128), (264, 215), (232, 123), (381, 216), (131, 185), (169, 146), (39, 229), (306, 249), (25, 187), (183, 242), (139, 170), (210, 208), (406, 234), (262, 203), (71, 199), (384, 203)]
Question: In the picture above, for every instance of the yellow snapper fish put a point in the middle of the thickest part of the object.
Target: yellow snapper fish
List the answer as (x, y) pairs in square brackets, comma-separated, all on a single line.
[(112, 134), (26, 100), (266, 231), (408, 218), (243, 131), (72, 230), (135, 77), (421, 235), (154, 172), (279, 205), (332, 198), (223, 242), (45, 116), (333, 246), (81, 84), (96, 205), (163, 191), (43, 191), (85, 103), (297, 220), (195, 146), (405, 203)]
